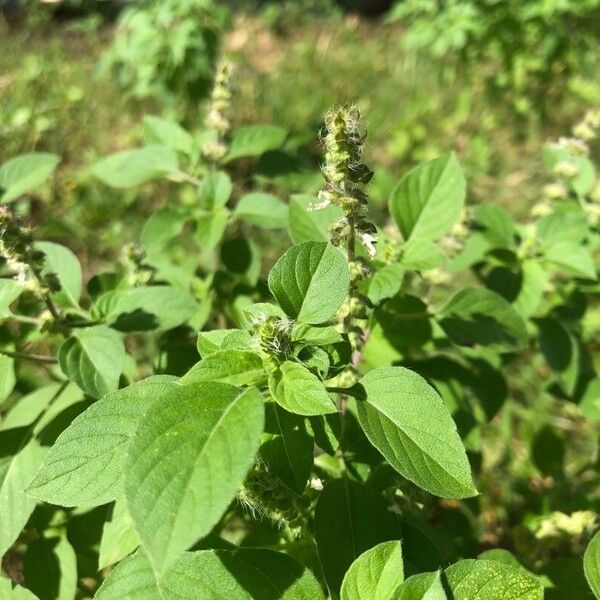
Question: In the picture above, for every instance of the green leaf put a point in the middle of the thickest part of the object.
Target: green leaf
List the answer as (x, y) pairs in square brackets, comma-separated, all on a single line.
[(145, 308), (497, 224), (215, 191), (119, 538), (211, 341), (254, 140), (300, 392), (428, 201), (407, 421), (23, 173), (63, 263), (568, 223), (287, 447), (161, 228), (485, 579), (20, 458), (236, 367), (50, 568), (14, 593), (481, 317), (244, 574), (386, 283), (420, 255), (310, 281), (306, 225), (7, 376), (10, 290), (185, 463), (591, 564), (94, 359), (168, 133), (589, 404), (572, 258), (130, 168), (350, 518), (376, 574), (533, 282), (264, 210), (424, 586), (210, 227), (85, 465)]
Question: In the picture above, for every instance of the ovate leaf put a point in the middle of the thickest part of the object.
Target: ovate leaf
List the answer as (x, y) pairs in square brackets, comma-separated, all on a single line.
[(186, 461), (407, 421), (572, 258), (65, 265), (145, 308), (591, 564), (14, 593), (297, 390), (263, 210), (24, 173), (254, 140), (386, 283), (376, 574), (85, 465), (428, 201), (236, 367), (485, 579), (310, 281), (168, 133), (424, 586), (94, 359), (133, 167), (482, 317), (10, 290)]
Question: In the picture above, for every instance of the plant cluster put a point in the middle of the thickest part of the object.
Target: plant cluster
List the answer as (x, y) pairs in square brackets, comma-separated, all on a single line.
[(210, 414), (166, 50), (522, 50)]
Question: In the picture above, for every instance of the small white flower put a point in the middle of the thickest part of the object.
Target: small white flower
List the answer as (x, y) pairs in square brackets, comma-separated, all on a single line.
[(369, 242)]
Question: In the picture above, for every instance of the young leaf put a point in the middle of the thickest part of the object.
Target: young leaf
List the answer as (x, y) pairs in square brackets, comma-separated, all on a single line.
[(254, 140), (131, 168), (421, 254), (287, 447), (591, 564), (94, 359), (185, 463), (428, 201), (65, 265), (424, 586), (485, 579), (572, 258), (145, 308), (350, 518), (168, 133), (23, 173), (299, 391), (215, 191), (210, 227), (306, 225), (481, 317), (119, 538), (407, 421), (386, 283), (264, 210), (161, 228), (236, 367), (376, 574), (85, 465), (310, 281)]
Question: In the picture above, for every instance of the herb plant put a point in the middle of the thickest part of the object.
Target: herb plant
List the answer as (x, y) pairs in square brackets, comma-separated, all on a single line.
[(185, 427)]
